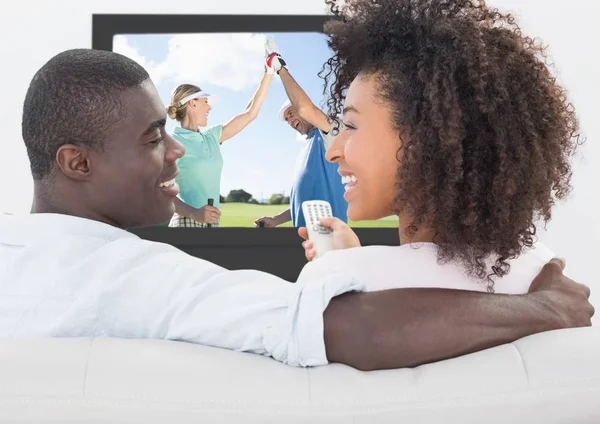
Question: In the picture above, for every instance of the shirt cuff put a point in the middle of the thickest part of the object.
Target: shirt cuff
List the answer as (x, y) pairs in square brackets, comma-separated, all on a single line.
[(299, 340)]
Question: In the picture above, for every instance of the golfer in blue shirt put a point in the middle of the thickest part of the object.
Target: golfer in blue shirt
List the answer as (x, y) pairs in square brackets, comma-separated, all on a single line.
[(314, 177)]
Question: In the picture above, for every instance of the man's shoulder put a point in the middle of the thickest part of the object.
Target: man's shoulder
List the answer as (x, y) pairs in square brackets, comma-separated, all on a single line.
[(78, 242), (316, 134), (7, 223), (326, 137), (23, 229)]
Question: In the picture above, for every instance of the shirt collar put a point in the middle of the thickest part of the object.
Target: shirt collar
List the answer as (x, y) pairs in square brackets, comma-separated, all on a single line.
[(311, 132), (185, 131), (181, 130)]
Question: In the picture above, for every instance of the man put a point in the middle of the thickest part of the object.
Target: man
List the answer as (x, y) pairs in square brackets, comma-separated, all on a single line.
[(315, 178), (93, 125)]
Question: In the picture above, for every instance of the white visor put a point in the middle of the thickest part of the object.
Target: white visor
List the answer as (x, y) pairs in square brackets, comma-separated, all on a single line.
[(284, 107), (198, 95)]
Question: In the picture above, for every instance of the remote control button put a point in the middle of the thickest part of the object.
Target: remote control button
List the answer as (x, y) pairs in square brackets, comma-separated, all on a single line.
[(323, 230)]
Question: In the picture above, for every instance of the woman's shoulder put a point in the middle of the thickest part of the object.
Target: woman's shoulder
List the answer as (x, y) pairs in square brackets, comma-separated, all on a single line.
[(417, 265), (370, 260), (214, 132), (194, 139), (538, 251), (532, 259), (378, 253)]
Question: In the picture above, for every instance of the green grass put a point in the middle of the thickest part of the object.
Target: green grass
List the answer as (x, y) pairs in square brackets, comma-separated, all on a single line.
[(244, 214)]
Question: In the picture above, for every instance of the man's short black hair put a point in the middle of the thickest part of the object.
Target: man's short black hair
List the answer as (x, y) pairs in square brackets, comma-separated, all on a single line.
[(75, 99)]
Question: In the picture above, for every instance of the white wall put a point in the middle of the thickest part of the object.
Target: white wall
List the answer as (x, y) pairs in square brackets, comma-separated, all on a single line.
[(33, 31)]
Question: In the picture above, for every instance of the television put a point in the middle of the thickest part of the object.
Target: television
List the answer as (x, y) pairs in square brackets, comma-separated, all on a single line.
[(224, 55)]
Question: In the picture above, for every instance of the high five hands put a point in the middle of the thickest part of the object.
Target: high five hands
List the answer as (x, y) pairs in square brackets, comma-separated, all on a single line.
[(273, 60)]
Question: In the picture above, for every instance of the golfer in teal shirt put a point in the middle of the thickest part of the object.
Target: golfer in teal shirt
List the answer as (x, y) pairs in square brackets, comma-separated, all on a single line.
[(200, 168)]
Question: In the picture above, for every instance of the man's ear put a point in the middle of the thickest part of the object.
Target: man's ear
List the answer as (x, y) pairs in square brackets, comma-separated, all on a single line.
[(74, 161)]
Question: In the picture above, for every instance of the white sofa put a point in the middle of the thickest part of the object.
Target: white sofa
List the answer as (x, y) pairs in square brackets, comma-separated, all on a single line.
[(547, 378)]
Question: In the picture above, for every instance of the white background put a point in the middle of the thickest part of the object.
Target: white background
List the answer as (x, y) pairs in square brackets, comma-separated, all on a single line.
[(33, 31)]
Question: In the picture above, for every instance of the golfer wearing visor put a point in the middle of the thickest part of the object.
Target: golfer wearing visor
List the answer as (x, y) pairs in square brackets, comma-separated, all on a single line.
[(200, 168)]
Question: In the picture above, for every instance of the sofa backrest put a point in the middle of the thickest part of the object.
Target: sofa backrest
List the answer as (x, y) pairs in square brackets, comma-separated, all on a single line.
[(552, 377)]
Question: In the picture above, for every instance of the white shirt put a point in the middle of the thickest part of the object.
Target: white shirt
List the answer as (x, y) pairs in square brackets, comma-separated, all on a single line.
[(64, 276), (416, 265)]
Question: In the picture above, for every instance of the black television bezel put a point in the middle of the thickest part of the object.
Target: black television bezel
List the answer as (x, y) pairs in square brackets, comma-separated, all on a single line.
[(275, 250), (106, 26)]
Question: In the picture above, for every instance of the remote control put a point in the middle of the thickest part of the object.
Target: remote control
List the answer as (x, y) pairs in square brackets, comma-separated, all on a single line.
[(320, 236)]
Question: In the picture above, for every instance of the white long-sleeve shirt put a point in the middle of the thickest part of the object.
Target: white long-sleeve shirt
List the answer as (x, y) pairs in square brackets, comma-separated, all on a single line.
[(63, 276)]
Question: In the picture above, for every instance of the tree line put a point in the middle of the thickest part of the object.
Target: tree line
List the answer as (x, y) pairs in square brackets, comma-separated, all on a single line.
[(242, 196)]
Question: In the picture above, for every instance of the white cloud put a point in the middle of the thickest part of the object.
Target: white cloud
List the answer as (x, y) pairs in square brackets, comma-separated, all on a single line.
[(231, 60), (122, 46)]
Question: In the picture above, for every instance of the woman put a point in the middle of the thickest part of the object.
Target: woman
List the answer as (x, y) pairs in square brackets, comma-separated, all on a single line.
[(452, 122), (201, 166)]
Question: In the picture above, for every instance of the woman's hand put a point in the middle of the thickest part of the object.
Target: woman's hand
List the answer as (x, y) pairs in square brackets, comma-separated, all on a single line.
[(207, 214), (343, 237)]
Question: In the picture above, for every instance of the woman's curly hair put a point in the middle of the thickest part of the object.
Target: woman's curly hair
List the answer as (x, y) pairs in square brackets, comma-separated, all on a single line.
[(487, 133)]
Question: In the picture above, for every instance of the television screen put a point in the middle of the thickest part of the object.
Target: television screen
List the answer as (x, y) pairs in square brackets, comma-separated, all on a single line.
[(262, 162)]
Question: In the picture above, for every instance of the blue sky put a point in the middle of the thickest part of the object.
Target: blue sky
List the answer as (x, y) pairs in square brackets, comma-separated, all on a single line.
[(261, 158)]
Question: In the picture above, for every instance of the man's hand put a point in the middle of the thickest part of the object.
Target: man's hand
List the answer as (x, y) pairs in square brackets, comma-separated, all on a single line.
[(273, 60), (268, 222), (567, 300), (343, 237), (274, 63)]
